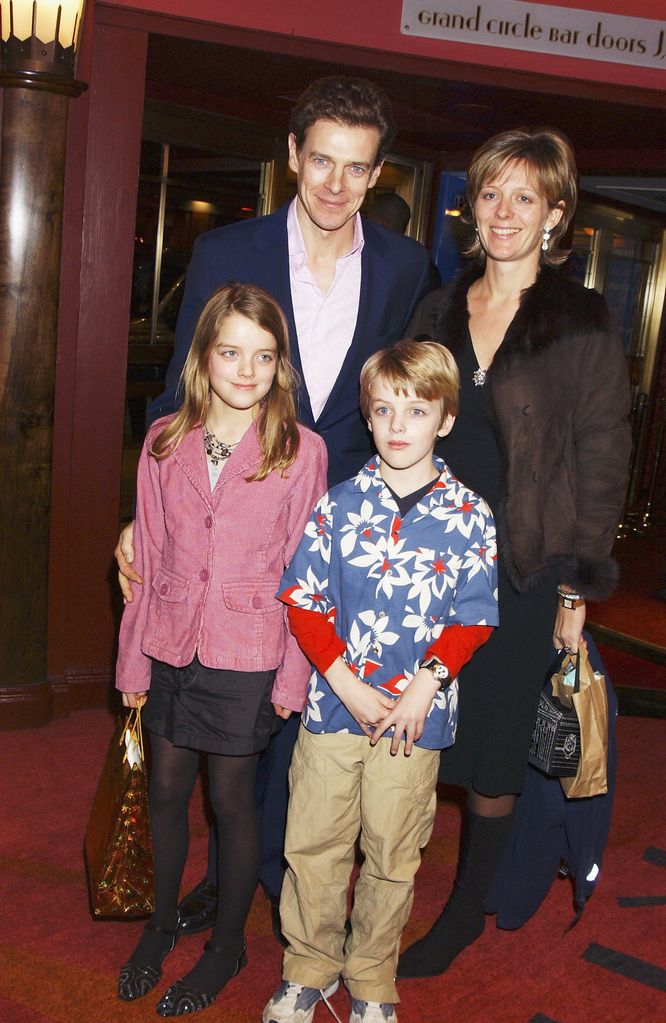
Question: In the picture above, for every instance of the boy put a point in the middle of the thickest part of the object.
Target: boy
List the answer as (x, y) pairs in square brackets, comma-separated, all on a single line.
[(391, 590)]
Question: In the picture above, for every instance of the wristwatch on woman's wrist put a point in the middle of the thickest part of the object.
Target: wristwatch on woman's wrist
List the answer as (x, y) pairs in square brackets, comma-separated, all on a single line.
[(439, 671), (569, 599)]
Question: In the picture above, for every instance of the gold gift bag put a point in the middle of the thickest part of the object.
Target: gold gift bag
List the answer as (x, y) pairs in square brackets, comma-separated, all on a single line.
[(118, 845), (591, 704)]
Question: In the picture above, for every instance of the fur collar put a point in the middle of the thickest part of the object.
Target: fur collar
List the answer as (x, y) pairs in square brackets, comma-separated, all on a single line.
[(552, 310)]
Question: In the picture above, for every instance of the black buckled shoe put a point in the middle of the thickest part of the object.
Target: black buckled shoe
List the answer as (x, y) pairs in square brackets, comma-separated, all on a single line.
[(180, 999), (198, 909), (136, 980)]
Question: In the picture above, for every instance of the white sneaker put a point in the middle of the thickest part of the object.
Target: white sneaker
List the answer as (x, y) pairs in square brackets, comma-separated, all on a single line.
[(293, 1003), (372, 1012)]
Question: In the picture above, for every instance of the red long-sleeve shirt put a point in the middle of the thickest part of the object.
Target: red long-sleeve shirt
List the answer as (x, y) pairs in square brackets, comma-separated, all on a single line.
[(321, 644)]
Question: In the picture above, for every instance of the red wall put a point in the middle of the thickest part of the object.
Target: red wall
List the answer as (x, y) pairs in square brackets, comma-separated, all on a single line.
[(375, 24)]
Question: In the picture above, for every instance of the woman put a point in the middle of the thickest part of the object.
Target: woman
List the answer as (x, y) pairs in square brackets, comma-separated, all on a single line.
[(543, 436)]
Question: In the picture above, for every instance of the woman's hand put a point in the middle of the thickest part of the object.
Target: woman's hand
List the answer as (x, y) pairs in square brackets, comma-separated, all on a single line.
[(569, 626), (409, 713), (282, 712), (124, 555), (134, 700)]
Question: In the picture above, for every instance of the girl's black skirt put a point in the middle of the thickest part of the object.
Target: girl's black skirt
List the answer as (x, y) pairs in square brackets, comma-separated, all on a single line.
[(211, 709)]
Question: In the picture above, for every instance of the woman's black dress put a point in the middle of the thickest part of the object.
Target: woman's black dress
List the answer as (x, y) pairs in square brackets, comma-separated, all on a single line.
[(499, 687)]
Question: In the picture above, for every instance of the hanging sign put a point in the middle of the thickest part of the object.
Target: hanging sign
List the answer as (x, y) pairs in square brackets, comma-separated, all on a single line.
[(540, 28)]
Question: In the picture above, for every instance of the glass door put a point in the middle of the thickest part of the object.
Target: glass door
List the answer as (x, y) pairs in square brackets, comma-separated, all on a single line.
[(622, 254)]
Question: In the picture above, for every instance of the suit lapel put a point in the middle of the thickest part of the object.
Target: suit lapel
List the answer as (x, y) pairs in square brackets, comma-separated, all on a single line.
[(191, 458)]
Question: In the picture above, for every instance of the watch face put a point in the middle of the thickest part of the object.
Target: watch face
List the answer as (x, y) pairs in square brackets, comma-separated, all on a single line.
[(439, 671)]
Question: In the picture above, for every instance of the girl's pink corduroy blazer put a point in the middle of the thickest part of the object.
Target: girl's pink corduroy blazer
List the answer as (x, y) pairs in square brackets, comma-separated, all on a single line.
[(211, 563)]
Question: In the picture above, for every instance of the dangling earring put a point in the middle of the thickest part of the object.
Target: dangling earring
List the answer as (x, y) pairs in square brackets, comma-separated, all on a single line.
[(546, 239)]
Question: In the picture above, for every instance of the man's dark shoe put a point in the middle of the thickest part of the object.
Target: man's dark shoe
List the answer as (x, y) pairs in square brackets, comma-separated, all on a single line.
[(198, 909), (275, 920)]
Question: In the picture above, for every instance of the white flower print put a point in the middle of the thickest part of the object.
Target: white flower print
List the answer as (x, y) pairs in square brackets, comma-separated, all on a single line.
[(320, 528), (309, 593), (426, 627), (386, 562), (479, 558), (447, 700), (367, 476), (379, 633), (459, 510), (363, 524), (312, 711), (432, 575)]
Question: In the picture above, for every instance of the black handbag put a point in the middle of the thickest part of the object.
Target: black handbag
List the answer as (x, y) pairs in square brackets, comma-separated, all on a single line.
[(555, 748)]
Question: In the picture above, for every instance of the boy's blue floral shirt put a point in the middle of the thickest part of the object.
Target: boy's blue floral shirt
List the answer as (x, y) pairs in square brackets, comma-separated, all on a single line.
[(392, 585)]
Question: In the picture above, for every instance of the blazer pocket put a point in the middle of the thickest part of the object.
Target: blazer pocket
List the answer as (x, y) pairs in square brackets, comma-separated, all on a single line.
[(251, 598), (170, 587), (257, 620)]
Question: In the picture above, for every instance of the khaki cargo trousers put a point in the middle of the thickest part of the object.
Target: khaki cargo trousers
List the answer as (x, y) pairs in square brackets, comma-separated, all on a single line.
[(340, 787)]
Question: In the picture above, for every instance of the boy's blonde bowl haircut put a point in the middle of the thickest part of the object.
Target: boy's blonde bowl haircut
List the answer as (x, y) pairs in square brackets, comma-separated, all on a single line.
[(425, 368)]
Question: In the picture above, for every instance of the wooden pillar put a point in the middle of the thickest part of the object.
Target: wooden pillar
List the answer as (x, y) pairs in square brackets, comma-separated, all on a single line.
[(34, 129), (103, 155)]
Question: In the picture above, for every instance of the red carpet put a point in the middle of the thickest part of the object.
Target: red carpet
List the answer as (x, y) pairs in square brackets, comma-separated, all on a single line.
[(636, 608), (627, 670), (57, 965)]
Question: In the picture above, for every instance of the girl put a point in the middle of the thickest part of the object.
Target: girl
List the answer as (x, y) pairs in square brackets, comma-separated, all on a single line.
[(224, 490)]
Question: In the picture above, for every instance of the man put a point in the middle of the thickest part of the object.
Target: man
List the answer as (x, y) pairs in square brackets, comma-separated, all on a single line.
[(390, 210), (347, 289)]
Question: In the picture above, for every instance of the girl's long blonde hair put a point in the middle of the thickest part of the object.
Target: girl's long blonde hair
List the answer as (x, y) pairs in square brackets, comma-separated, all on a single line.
[(276, 423)]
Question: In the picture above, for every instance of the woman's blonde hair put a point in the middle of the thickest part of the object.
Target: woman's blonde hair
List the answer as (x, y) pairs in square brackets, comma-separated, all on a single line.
[(550, 163), (424, 367), (276, 423)]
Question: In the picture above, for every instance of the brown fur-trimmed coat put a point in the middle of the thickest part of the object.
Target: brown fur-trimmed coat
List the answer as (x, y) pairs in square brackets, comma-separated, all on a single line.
[(560, 397)]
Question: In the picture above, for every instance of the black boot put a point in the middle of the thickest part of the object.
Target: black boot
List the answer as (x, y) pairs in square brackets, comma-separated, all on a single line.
[(462, 920)]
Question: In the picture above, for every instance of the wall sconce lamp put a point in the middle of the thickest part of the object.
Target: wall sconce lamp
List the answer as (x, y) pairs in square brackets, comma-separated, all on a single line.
[(40, 38)]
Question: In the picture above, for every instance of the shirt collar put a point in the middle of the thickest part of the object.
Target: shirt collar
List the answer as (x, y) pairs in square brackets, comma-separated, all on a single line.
[(370, 476)]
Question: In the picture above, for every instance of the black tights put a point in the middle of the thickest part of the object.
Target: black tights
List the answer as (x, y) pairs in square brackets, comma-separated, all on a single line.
[(231, 788), (490, 806)]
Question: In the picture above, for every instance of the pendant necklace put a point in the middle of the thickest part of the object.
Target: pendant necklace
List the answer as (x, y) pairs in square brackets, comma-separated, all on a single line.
[(216, 449)]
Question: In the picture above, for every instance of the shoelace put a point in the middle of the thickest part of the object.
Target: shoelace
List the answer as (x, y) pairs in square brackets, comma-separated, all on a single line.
[(329, 1006)]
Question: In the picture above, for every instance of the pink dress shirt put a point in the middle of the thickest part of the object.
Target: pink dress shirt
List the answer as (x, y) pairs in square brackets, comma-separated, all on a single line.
[(325, 324)]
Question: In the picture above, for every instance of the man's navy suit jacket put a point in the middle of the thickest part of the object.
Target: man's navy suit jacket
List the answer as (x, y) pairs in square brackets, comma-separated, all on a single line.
[(395, 274)]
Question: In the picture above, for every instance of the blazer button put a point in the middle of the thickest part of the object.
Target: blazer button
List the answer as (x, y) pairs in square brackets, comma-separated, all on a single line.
[(164, 589), (256, 601), (203, 575), (208, 522)]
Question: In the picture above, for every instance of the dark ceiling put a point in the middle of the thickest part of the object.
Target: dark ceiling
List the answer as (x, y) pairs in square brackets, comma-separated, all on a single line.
[(440, 118)]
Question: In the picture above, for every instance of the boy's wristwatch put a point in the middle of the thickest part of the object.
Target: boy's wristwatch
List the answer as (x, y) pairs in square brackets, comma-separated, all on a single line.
[(440, 672)]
